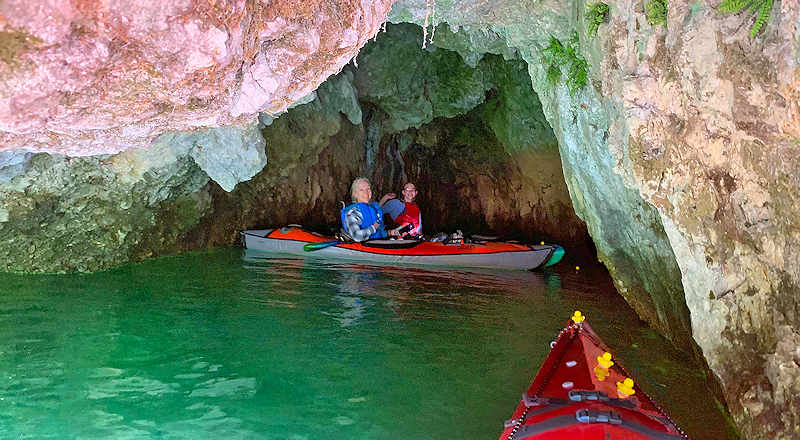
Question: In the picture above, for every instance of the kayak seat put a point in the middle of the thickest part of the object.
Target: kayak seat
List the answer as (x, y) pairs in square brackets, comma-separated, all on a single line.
[(390, 244)]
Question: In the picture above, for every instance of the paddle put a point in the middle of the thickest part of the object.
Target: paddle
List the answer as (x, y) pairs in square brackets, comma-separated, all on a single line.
[(317, 246), (310, 247)]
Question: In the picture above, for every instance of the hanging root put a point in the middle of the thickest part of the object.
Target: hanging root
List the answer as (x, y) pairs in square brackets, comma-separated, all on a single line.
[(433, 21), (425, 25), (430, 13)]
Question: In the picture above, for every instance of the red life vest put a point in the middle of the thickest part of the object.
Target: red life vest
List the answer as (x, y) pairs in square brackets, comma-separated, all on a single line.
[(411, 215)]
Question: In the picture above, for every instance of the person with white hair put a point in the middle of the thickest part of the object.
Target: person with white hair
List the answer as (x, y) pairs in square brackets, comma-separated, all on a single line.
[(362, 219)]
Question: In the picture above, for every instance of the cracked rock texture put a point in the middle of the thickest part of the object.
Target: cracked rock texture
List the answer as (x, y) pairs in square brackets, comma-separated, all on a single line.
[(85, 77), (79, 214)]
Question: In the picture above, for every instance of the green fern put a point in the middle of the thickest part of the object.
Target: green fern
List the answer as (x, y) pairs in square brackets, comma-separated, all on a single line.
[(596, 14), (558, 56), (760, 8), (656, 12), (761, 18), (553, 74), (578, 75), (728, 6)]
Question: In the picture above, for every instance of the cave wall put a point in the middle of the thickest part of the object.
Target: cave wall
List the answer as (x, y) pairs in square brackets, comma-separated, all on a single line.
[(469, 182), (679, 155), (315, 152), (64, 214), (476, 142), (60, 214)]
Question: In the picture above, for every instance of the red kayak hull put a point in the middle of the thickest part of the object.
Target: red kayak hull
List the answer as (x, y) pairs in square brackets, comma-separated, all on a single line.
[(573, 397), (293, 240)]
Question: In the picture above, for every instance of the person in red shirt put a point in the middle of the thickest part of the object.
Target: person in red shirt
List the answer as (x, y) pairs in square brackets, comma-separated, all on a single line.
[(404, 212)]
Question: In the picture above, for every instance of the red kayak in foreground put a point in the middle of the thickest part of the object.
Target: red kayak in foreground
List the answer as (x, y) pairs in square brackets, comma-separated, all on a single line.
[(581, 392)]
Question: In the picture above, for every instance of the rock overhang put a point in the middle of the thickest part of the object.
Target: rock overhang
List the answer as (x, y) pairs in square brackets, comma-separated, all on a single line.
[(90, 77)]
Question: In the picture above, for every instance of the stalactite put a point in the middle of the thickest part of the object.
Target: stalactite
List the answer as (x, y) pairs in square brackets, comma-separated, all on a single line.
[(430, 13)]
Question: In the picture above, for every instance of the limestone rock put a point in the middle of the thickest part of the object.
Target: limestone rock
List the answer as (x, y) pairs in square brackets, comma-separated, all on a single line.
[(83, 214), (338, 93), (228, 155), (13, 164), (314, 153), (472, 45), (414, 89), (105, 77), (65, 214)]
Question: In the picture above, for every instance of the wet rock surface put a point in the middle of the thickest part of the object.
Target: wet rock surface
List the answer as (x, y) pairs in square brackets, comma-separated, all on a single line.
[(62, 214)]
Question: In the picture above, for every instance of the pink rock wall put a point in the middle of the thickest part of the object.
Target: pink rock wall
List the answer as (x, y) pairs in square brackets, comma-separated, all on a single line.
[(84, 77)]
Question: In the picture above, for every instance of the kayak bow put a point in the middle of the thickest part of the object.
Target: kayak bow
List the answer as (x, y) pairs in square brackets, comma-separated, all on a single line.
[(581, 393)]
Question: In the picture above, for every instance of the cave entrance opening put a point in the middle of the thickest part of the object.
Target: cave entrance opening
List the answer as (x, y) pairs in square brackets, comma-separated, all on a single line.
[(462, 123)]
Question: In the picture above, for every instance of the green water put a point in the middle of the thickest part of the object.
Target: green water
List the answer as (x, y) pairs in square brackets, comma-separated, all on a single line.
[(212, 345)]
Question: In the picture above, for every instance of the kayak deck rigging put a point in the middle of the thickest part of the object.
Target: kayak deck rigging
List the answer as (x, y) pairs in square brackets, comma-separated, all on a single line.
[(579, 392), (490, 254)]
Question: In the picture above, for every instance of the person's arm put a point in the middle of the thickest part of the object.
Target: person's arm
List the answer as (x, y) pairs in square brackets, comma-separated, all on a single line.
[(353, 220), (386, 198), (395, 232), (400, 231)]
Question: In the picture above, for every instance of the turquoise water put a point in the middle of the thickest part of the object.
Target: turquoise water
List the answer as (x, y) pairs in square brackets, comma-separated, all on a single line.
[(212, 345)]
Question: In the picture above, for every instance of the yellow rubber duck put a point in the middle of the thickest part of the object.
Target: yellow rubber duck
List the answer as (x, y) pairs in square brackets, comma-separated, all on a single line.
[(605, 360), (625, 388), (578, 317), (601, 373)]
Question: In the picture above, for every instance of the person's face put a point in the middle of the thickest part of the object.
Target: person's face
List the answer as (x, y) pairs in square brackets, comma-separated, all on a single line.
[(409, 192), (363, 192)]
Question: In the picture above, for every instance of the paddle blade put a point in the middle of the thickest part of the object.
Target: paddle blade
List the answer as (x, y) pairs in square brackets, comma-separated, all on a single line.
[(558, 254), (317, 246)]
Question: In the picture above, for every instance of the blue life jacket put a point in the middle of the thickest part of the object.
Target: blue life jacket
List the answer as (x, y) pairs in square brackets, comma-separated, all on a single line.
[(370, 213)]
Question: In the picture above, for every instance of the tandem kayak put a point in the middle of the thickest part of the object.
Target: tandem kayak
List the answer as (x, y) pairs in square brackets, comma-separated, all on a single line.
[(581, 392), (489, 254)]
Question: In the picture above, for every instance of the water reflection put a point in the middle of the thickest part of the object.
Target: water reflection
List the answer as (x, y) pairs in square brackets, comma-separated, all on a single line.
[(352, 287), (207, 346)]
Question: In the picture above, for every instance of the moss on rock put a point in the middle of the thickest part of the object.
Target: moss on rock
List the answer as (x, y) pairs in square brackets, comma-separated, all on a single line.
[(414, 86)]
